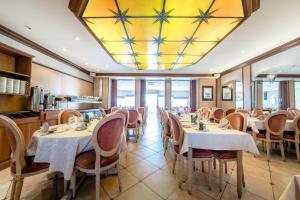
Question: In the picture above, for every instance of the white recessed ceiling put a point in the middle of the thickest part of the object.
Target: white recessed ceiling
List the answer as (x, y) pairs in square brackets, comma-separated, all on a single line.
[(54, 27)]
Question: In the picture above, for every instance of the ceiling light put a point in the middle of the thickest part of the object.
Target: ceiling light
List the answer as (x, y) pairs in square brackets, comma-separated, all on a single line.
[(86, 63), (77, 38), (28, 27), (64, 49), (271, 77)]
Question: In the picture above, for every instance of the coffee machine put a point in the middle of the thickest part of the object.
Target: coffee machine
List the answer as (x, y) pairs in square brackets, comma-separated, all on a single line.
[(49, 101), (37, 99)]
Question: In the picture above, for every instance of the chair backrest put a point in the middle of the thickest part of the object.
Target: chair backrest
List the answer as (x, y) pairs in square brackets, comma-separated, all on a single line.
[(218, 114), (133, 116), (107, 136), (64, 115), (125, 112), (237, 121), (296, 125), (205, 111), (176, 129), (113, 109), (275, 123), (16, 142), (244, 111), (166, 123), (229, 111), (141, 111)]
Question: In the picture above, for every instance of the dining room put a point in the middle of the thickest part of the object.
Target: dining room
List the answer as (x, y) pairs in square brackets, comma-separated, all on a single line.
[(156, 100)]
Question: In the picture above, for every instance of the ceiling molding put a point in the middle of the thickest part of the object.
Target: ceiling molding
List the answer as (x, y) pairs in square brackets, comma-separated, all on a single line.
[(154, 75), (280, 76), (265, 55), (17, 37)]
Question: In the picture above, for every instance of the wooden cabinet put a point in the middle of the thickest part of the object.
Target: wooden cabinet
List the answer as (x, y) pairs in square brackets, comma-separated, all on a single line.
[(50, 117)]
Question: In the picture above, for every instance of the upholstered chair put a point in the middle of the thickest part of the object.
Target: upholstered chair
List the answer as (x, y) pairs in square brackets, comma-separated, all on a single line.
[(294, 138), (113, 109), (244, 111), (125, 112), (192, 156), (133, 123), (204, 111), (21, 165), (229, 111), (218, 114), (166, 132), (275, 124), (142, 113), (107, 136), (64, 115), (237, 122)]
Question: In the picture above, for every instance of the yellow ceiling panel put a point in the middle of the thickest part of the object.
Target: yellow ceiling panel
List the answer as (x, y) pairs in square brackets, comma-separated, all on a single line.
[(178, 28), (142, 29), (124, 58), (171, 47), (167, 58), (98, 8), (165, 66), (228, 8), (148, 66), (187, 7), (106, 29), (117, 47), (145, 47), (144, 59), (216, 29), (140, 7), (199, 48)]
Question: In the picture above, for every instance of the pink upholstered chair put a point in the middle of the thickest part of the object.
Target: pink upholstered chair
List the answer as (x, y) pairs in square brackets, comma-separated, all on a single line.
[(229, 111), (21, 165), (218, 114), (113, 109), (275, 124), (237, 122), (166, 132), (133, 123), (125, 112), (106, 139), (64, 115), (244, 111), (294, 138), (192, 155)]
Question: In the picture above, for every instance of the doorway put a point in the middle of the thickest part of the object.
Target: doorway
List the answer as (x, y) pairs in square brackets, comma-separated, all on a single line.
[(155, 94)]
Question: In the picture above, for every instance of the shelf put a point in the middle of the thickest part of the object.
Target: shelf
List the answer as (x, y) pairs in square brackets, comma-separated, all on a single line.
[(14, 73), (13, 94)]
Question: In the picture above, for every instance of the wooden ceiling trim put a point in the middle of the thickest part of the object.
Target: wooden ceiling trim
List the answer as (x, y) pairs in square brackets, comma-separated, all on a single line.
[(17, 37), (154, 75)]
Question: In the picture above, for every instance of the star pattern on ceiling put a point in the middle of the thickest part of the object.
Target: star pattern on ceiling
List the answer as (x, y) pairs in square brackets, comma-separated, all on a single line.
[(161, 34)]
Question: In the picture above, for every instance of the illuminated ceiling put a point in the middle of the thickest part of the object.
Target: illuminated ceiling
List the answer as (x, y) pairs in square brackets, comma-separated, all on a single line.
[(161, 34)]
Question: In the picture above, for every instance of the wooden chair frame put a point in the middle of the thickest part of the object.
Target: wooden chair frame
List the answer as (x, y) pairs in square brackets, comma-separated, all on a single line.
[(75, 112), (136, 129), (296, 141)]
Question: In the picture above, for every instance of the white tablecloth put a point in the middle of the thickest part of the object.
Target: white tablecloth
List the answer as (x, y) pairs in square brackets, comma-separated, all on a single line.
[(217, 139), (60, 149), (292, 191), (257, 124)]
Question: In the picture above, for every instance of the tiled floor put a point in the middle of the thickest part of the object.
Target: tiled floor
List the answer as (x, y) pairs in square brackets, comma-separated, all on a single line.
[(147, 175)]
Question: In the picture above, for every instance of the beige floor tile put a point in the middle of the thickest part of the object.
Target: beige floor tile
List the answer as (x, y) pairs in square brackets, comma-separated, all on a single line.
[(138, 192), (181, 194), (142, 169), (130, 159), (159, 160), (144, 152), (157, 147), (111, 186), (230, 193), (87, 191), (162, 183)]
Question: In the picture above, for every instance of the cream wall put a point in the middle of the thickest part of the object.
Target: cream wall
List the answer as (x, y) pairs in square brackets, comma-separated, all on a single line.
[(61, 84), (206, 82)]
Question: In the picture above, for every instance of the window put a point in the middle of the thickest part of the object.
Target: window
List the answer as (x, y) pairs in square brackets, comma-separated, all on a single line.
[(271, 95), (180, 96), (239, 100), (297, 95), (126, 93), (155, 94)]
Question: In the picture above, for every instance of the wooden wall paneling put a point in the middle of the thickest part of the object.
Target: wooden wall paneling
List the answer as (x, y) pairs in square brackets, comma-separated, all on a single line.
[(137, 92), (168, 88), (7, 62), (193, 95), (259, 94), (230, 104), (218, 93), (247, 97), (292, 102), (4, 146), (284, 95), (143, 93), (114, 92), (207, 82)]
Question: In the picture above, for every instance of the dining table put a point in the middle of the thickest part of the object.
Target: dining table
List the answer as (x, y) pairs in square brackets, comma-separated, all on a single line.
[(60, 147), (292, 190), (258, 124), (216, 138)]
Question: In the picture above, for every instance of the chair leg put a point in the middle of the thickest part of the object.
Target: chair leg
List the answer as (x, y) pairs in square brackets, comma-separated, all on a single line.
[(297, 151), (73, 183), (166, 142), (282, 150), (119, 177), (19, 186), (268, 150), (13, 188), (190, 175), (202, 166), (214, 163), (97, 185), (181, 170), (226, 167), (209, 173), (174, 163), (220, 175)]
